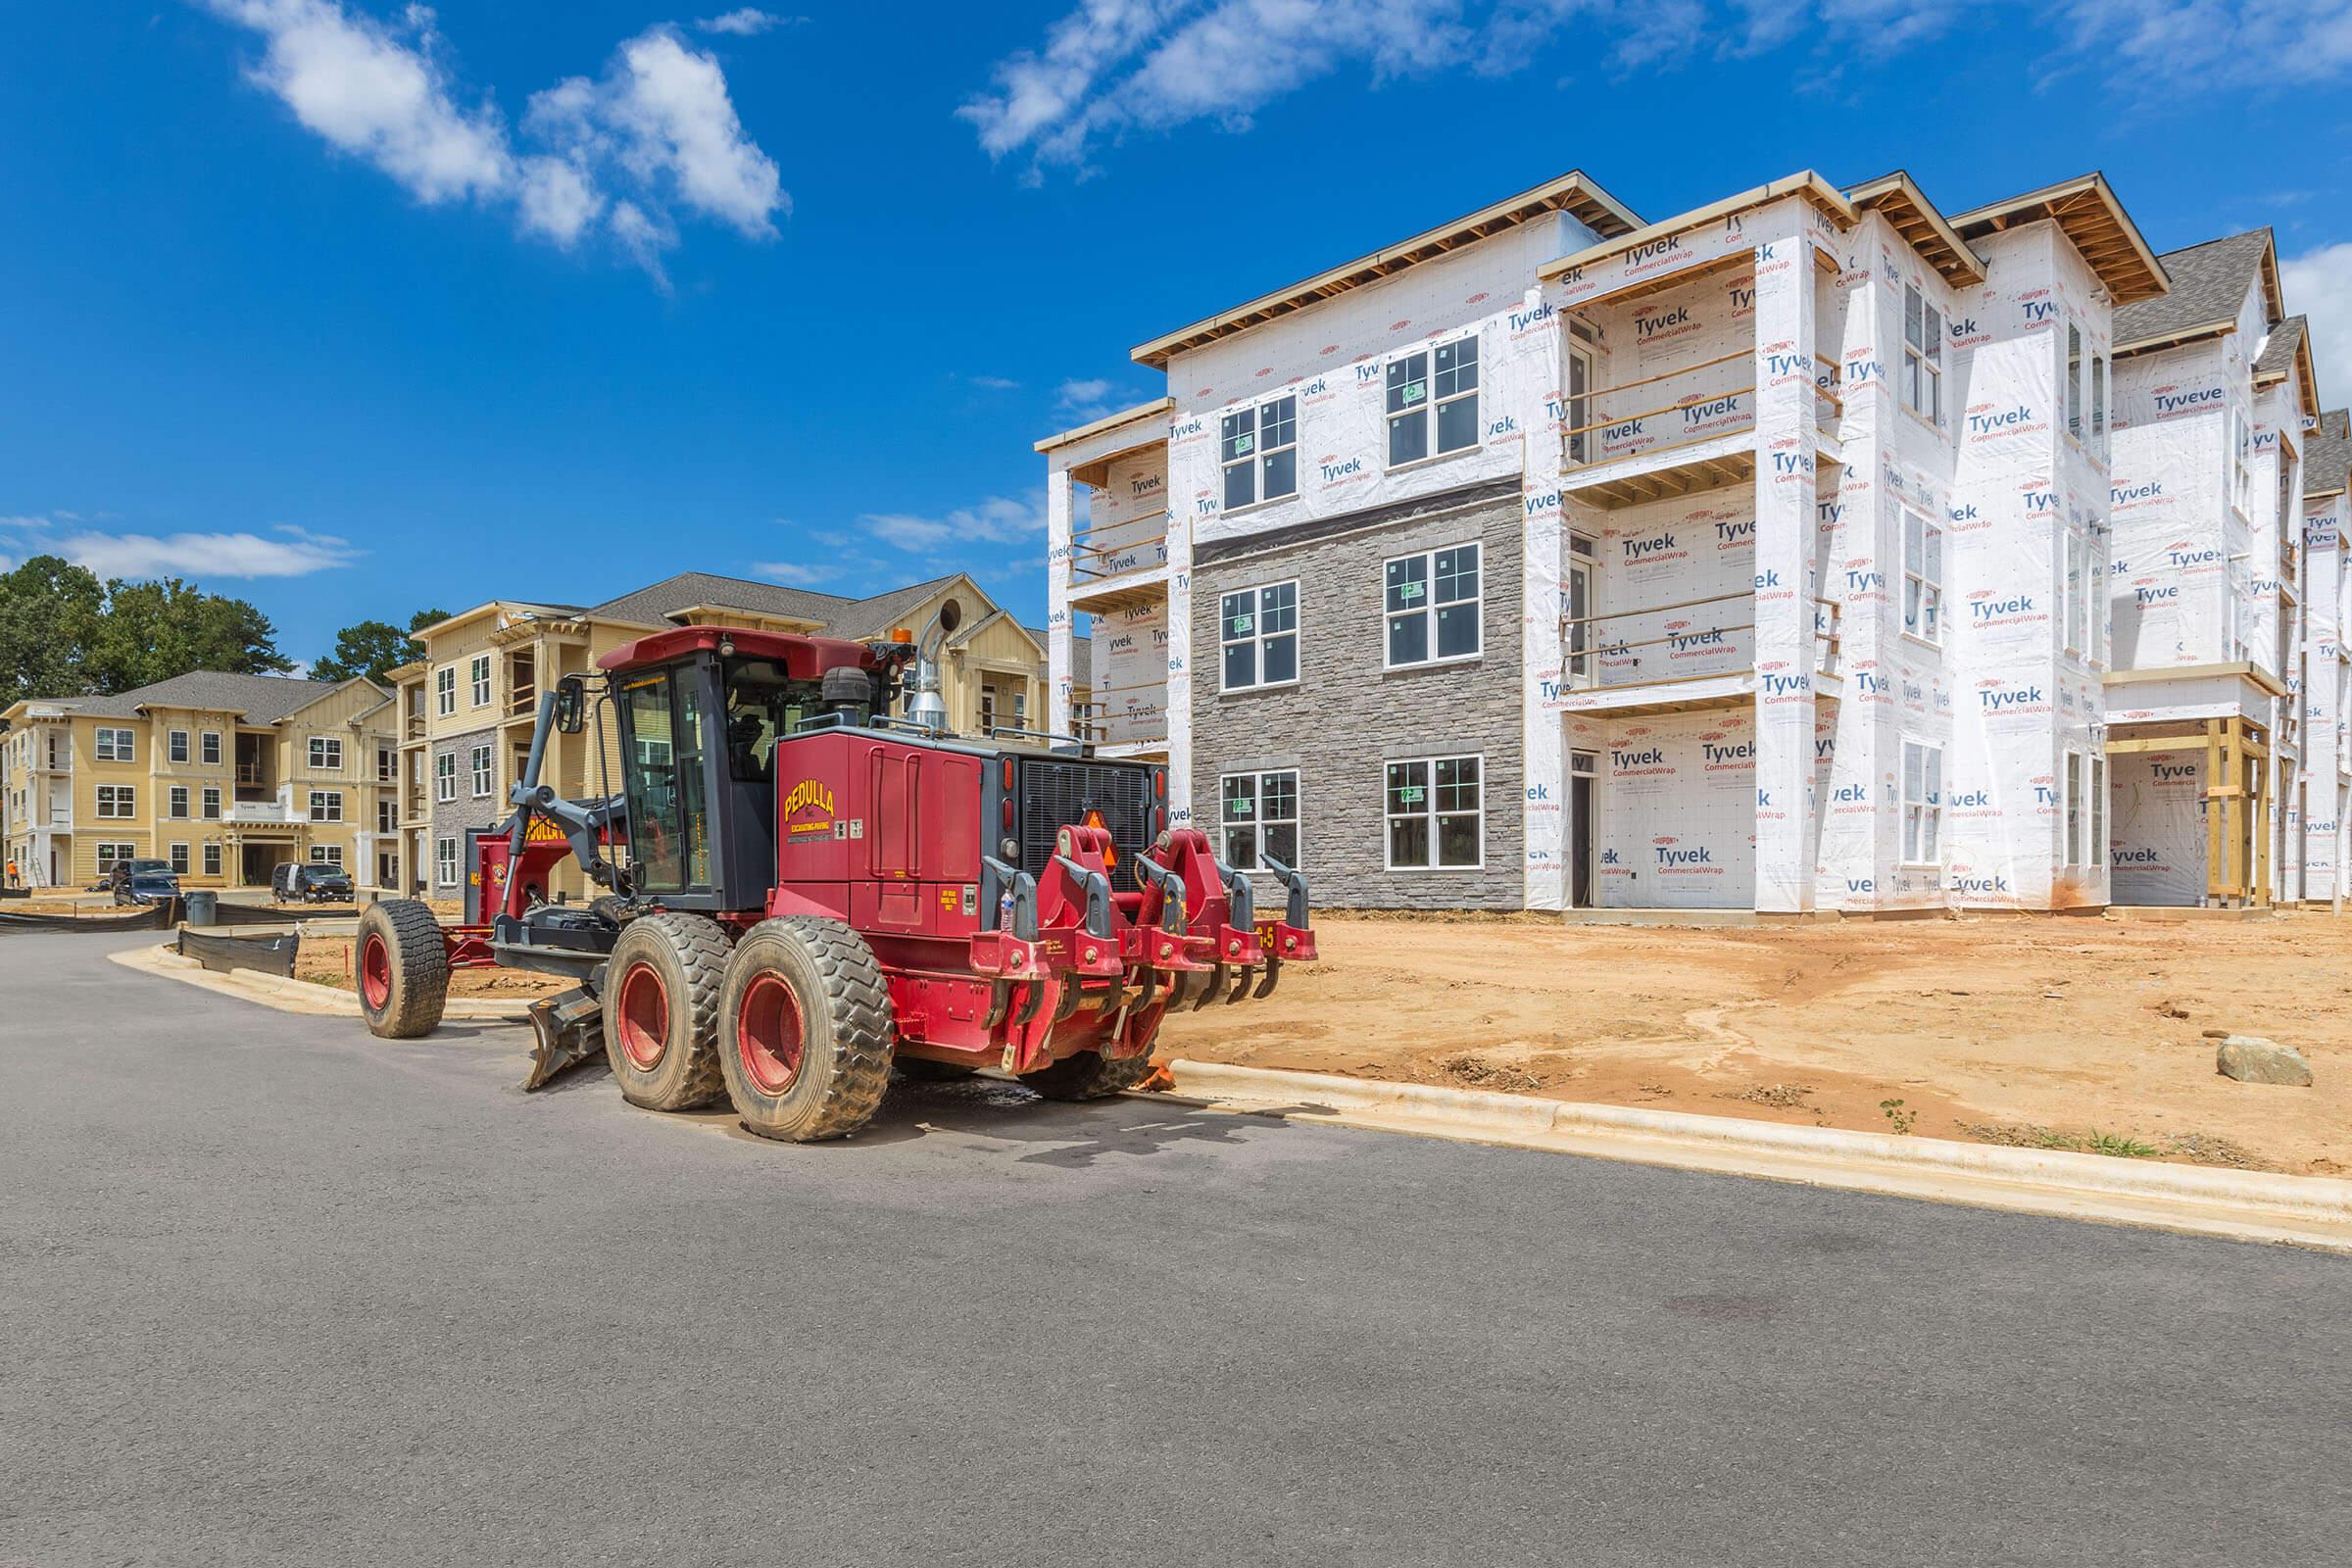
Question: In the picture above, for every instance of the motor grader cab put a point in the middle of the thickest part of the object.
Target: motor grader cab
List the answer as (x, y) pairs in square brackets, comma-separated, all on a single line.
[(817, 886)]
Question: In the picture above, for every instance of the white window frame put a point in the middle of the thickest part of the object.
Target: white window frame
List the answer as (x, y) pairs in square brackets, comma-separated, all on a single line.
[(2099, 374), (1254, 859), (387, 816), (2072, 803), (209, 748), (212, 858), (1258, 636), (445, 863), (177, 803), (2098, 811), (477, 677), (327, 854), (1922, 579), (1923, 356), (2075, 594), (2241, 493), (122, 799), (326, 805), (1430, 604), (387, 766), (177, 854), (445, 776), (1246, 451), (327, 754), (1922, 823), (113, 853), (2074, 374), (445, 691), (1427, 811), (212, 802), (117, 745), (480, 768), (178, 747), (1430, 402)]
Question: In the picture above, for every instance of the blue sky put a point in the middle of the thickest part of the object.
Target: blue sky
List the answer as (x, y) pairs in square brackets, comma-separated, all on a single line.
[(353, 307)]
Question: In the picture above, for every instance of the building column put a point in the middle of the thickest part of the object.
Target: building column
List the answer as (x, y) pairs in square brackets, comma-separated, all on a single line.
[(1784, 587), (1061, 656)]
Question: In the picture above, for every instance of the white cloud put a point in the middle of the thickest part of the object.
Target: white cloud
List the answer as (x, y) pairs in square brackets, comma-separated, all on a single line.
[(206, 555), (2318, 284), (1115, 66), (796, 573), (994, 383), (1091, 398), (999, 519), (658, 130), (742, 22)]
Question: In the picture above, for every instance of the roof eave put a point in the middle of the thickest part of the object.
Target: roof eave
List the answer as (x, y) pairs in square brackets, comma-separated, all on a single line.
[(2126, 264), (1805, 183), (1571, 192), (1940, 242), (1110, 421), (2174, 340)]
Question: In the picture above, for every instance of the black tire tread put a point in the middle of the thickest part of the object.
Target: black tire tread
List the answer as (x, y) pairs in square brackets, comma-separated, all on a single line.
[(420, 969), (703, 950), (864, 1028)]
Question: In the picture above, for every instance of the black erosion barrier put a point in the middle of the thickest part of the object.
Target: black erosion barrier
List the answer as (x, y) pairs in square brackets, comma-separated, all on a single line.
[(227, 914), (154, 918), (270, 955)]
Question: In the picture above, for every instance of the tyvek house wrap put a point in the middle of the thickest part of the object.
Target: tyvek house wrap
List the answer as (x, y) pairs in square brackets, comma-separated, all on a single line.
[(2324, 697), (1129, 525), (2168, 571)]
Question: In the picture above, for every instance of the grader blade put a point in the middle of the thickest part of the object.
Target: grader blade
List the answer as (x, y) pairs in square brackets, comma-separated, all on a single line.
[(566, 1030)]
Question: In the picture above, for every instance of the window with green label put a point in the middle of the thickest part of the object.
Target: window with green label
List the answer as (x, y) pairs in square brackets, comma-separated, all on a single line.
[(1259, 813), (1432, 603), (1436, 814), (1257, 630), (1433, 401)]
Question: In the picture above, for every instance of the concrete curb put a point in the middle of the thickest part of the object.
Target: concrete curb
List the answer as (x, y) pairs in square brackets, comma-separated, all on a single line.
[(298, 996), (2302, 1211)]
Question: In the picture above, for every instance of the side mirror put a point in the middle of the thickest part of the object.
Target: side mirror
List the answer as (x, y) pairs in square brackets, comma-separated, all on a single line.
[(571, 704), (951, 615)]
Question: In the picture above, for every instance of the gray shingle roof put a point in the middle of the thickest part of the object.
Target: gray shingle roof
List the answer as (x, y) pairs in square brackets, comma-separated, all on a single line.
[(2328, 454), (1082, 655), (2279, 350), (2209, 284), (835, 614), (260, 699)]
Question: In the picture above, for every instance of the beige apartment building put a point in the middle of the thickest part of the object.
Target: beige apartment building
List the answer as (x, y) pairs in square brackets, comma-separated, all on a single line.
[(467, 706), (223, 775)]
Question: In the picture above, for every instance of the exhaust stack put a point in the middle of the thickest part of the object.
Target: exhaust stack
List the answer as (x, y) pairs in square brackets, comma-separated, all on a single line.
[(924, 705)]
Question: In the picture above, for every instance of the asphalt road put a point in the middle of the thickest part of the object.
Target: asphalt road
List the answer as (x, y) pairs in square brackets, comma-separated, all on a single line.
[(281, 1293)]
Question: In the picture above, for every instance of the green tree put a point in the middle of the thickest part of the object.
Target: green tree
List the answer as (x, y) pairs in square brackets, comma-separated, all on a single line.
[(49, 615), (154, 630), (371, 648), (425, 617)]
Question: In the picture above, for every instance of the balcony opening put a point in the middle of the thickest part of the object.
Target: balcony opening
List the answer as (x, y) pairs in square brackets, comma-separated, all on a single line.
[(256, 781)]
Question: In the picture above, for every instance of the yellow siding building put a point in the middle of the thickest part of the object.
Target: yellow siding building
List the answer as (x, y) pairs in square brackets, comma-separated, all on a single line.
[(224, 776)]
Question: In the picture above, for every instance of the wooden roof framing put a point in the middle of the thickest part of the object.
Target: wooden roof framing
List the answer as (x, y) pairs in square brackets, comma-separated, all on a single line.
[(2089, 214), (1571, 193)]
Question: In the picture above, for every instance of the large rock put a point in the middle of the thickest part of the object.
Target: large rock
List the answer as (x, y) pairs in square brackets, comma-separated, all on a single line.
[(2252, 1060)]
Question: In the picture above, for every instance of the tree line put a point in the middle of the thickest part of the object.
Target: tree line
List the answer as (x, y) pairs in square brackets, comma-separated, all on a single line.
[(65, 633)]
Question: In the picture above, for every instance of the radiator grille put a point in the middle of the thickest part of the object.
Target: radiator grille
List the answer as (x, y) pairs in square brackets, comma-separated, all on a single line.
[(1056, 792)]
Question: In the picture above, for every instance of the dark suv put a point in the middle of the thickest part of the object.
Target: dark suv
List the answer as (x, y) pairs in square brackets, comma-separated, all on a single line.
[(310, 882)]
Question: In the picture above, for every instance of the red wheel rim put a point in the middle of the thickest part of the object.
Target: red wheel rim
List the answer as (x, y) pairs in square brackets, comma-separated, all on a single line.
[(375, 972), (768, 1038), (644, 1017)]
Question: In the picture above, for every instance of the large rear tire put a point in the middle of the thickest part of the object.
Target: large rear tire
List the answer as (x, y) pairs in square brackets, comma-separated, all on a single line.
[(403, 969), (1088, 1076), (661, 1002), (805, 1030)]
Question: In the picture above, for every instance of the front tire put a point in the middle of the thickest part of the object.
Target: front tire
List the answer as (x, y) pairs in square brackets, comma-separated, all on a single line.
[(661, 1003), (805, 1030), (403, 969)]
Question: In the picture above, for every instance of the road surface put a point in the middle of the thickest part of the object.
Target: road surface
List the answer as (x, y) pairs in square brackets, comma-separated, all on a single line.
[(281, 1293)]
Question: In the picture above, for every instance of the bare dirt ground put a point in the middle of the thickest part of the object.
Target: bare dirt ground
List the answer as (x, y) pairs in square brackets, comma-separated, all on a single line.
[(2040, 1032), (326, 962)]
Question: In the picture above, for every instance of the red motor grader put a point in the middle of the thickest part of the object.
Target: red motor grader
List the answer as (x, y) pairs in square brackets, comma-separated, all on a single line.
[(816, 889)]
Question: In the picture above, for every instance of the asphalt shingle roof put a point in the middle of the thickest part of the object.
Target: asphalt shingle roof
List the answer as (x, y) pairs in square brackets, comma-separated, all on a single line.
[(2209, 284), (835, 614), (260, 699), (2328, 454), (2279, 350)]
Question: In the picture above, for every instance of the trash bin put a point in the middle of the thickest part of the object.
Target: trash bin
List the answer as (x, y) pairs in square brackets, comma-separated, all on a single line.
[(199, 905)]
